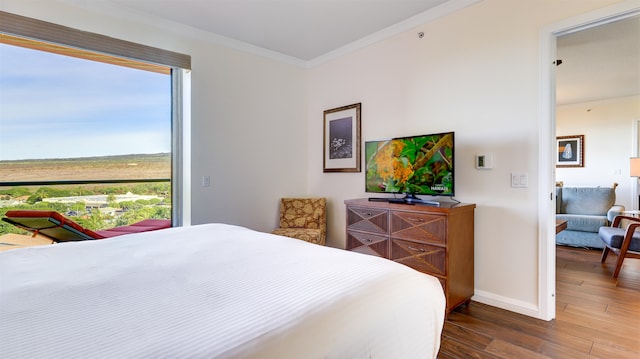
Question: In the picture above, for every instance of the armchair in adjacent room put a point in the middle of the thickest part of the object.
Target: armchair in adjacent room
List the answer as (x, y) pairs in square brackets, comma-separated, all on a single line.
[(303, 218), (622, 239)]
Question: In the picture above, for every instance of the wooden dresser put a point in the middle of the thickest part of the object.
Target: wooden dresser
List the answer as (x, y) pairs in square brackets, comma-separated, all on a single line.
[(434, 240)]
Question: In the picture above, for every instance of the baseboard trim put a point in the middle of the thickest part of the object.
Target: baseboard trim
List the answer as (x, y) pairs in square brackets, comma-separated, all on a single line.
[(506, 303)]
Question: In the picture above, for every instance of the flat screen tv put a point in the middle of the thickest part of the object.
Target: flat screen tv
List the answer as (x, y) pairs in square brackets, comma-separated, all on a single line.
[(415, 165)]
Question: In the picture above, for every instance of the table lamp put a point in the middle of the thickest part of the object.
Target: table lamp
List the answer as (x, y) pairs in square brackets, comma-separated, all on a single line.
[(634, 166)]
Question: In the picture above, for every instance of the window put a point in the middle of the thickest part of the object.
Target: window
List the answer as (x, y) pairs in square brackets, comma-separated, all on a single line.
[(110, 126)]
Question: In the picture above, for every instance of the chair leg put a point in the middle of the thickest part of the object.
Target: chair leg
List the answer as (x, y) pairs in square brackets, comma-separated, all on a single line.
[(605, 253), (618, 266), (621, 255)]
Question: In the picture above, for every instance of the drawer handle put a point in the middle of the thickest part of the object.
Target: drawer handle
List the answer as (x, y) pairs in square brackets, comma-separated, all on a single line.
[(368, 214), (415, 219), (368, 240), (417, 249)]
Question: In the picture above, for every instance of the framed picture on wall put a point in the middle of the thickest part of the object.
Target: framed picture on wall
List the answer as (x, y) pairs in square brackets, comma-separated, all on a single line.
[(570, 151), (341, 152)]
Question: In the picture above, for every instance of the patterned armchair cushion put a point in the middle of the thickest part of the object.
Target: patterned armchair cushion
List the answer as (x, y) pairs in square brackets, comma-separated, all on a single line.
[(303, 218), (309, 235)]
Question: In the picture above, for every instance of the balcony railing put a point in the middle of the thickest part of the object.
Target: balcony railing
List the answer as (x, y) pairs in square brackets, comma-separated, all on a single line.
[(71, 182)]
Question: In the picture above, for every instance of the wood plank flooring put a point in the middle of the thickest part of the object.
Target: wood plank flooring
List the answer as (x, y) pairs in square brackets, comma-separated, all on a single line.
[(596, 317)]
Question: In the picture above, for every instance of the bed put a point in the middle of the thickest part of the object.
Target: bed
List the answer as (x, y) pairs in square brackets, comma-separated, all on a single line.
[(213, 291)]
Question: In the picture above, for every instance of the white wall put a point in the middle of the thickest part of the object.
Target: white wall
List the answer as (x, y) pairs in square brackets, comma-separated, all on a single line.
[(607, 127), (475, 72), (248, 128)]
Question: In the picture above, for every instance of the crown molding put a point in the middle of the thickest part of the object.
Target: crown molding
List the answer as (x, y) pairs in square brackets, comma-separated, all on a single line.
[(406, 25), (118, 11)]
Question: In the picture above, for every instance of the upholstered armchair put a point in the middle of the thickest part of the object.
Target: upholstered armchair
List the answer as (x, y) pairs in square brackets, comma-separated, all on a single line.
[(622, 239), (303, 218)]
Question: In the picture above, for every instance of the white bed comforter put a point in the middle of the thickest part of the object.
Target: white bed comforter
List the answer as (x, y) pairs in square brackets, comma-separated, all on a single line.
[(213, 291)]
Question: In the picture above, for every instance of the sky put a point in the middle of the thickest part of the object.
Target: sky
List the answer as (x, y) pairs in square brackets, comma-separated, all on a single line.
[(55, 106)]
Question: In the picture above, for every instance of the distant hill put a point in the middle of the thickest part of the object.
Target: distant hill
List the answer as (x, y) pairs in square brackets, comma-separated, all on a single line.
[(141, 156), (133, 166)]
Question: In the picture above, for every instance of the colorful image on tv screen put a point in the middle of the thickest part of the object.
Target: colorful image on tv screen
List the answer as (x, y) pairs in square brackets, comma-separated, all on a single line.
[(415, 165)]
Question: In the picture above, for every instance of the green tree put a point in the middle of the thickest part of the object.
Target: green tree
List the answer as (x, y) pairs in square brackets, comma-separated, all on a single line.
[(78, 207), (16, 192), (94, 221), (111, 200)]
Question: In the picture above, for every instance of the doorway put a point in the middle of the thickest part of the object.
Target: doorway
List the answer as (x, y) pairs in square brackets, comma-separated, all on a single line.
[(546, 208), (597, 81)]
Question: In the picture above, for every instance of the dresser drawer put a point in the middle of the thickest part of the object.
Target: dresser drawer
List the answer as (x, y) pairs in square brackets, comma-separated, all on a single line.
[(419, 256), (368, 243), (434, 240), (368, 220), (423, 227)]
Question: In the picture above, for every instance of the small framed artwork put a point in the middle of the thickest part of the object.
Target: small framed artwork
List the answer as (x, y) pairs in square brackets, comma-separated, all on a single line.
[(570, 151), (342, 139)]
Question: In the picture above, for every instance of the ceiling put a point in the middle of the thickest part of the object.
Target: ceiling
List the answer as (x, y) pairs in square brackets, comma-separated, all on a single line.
[(303, 29), (597, 63)]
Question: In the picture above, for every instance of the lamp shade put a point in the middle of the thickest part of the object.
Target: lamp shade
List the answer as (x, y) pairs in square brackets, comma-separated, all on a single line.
[(634, 167)]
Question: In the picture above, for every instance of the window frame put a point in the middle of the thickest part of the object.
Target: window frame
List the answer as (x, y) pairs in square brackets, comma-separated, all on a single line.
[(117, 52)]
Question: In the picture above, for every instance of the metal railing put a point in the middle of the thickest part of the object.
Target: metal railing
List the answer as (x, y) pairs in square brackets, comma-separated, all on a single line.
[(70, 182)]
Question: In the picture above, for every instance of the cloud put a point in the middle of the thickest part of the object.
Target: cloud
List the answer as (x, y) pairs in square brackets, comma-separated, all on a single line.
[(67, 107)]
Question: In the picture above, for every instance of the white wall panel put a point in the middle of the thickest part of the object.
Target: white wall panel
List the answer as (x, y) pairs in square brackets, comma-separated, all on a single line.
[(608, 143)]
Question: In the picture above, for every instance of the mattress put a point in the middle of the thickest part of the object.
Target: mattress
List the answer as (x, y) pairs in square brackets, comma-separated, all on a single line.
[(213, 291)]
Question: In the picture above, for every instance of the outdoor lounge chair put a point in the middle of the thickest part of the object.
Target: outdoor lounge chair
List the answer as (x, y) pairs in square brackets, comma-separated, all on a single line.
[(59, 228)]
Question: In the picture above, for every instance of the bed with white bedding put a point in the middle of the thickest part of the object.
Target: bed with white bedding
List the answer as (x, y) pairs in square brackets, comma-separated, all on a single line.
[(213, 291)]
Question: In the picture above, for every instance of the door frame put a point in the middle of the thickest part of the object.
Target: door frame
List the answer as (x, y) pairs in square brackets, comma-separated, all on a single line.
[(635, 152), (547, 131)]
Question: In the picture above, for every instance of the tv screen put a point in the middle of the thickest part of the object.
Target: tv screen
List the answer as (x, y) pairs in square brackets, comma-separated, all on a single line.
[(416, 165)]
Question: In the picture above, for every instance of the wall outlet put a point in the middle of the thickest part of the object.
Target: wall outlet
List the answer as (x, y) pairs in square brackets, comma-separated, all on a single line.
[(206, 181)]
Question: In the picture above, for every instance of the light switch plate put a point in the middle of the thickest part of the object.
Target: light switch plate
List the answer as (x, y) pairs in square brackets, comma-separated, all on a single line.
[(519, 180)]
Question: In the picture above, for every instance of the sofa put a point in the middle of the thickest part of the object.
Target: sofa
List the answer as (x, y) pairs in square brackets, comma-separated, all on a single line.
[(585, 209)]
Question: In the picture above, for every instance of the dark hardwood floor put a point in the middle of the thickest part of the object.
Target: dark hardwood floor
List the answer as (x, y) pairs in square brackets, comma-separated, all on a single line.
[(597, 316)]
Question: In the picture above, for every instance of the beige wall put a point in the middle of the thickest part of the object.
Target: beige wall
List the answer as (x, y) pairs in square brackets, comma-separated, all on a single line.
[(607, 127)]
